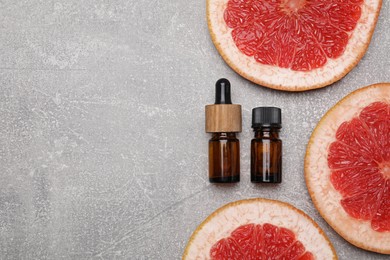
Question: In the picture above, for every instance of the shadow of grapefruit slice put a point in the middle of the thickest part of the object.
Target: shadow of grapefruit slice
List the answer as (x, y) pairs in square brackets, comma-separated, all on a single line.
[(347, 167), (259, 229), (292, 45)]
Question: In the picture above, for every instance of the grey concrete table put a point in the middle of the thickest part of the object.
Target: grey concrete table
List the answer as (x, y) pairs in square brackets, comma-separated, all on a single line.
[(102, 146)]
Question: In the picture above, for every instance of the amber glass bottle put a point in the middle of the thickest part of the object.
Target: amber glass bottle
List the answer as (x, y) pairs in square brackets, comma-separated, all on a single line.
[(223, 120), (224, 158), (266, 147)]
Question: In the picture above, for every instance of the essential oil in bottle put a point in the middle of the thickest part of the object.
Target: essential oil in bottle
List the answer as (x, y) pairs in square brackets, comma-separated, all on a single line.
[(266, 147), (223, 121)]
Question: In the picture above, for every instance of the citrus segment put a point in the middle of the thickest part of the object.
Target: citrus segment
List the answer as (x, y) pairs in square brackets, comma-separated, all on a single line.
[(354, 135), (360, 154), (292, 44), (294, 252), (376, 117), (364, 205), (258, 229), (249, 238), (347, 164), (343, 156), (307, 256), (381, 220), (226, 249), (272, 242), (364, 179), (296, 34), (276, 240)]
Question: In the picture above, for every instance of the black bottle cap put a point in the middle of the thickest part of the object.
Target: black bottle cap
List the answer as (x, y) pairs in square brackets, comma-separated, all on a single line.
[(266, 117), (222, 92)]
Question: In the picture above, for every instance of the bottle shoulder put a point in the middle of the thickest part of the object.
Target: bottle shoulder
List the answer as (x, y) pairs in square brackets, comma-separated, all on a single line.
[(266, 139), (266, 134)]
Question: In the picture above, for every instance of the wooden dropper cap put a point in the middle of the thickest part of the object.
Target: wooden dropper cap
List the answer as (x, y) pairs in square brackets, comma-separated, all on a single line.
[(223, 116)]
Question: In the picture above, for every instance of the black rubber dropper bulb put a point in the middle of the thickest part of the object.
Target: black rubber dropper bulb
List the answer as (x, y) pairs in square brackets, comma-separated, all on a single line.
[(222, 92)]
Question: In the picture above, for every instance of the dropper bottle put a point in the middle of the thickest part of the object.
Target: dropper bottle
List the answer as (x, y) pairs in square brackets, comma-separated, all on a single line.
[(223, 121)]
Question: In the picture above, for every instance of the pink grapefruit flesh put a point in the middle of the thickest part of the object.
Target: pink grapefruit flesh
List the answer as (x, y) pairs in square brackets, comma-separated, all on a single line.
[(258, 229), (297, 34), (358, 161), (253, 241), (347, 167), (292, 45)]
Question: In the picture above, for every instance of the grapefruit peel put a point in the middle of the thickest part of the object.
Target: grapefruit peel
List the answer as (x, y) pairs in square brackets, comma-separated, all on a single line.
[(317, 172), (221, 223), (284, 78)]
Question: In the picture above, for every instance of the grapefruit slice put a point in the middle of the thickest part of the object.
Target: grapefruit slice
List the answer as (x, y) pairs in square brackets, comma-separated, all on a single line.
[(347, 167), (259, 229), (292, 45)]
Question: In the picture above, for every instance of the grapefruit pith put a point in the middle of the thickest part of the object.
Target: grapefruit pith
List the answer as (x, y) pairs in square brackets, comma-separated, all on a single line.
[(259, 229), (292, 45), (347, 167)]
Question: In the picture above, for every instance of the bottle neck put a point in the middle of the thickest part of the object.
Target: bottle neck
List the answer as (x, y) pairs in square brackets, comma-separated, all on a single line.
[(223, 135), (267, 132)]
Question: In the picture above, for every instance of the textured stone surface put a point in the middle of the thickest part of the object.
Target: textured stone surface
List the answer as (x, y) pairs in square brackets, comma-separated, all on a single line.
[(102, 146)]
